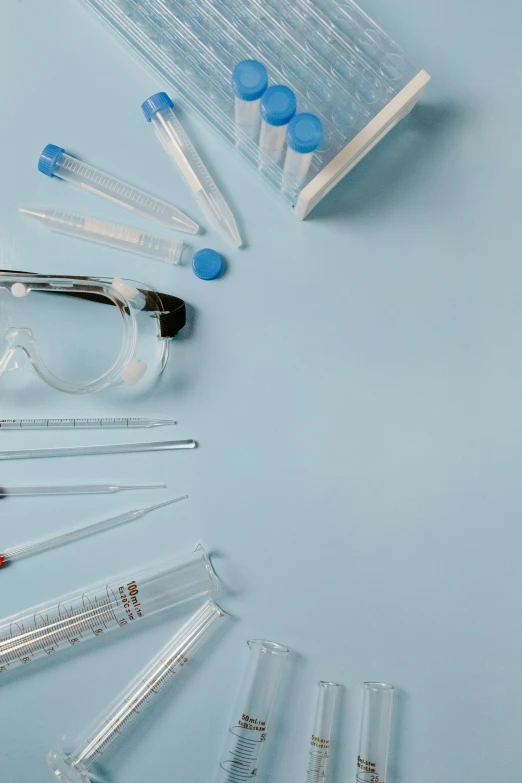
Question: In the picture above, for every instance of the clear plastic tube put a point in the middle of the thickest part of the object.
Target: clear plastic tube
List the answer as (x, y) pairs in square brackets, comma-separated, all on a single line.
[(159, 110), (83, 424), (142, 693), (320, 743), (372, 759), (112, 234), (248, 729), (73, 489), (123, 601), (85, 451), (55, 162)]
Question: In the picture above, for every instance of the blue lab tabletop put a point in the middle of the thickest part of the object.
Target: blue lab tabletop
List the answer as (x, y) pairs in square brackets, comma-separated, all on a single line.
[(354, 384)]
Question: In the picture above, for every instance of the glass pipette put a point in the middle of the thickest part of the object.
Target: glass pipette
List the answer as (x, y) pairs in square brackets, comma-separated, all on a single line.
[(43, 544), (134, 701), (115, 235), (54, 162), (159, 110), (374, 741), (85, 451), (74, 489), (92, 612), (320, 743), (83, 424)]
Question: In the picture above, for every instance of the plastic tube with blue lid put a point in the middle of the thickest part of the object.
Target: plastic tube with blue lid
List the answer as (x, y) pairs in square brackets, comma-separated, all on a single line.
[(277, 108), (55, 162), (249, 82), (159, 110), (303, 136)]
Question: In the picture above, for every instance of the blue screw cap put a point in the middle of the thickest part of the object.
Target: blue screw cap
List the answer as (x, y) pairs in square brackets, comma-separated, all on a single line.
[(207, 264), (156, 103), (249, 80), (48, 158), (278, 105), (304, 133)]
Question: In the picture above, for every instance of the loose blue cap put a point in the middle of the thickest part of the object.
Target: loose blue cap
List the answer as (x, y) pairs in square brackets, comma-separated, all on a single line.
[(48, 158), (207, 264), (156, 103), (304, 133), (278, 105), (249, 80)]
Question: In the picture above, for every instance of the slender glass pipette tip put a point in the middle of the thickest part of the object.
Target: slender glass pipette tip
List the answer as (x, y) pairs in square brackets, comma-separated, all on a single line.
[(43, 544), (83, 424), (85, 451), (55, 162), (74, 489), (159, 110)]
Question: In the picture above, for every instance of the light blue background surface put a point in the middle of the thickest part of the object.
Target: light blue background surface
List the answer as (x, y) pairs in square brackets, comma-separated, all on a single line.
[(355, 384)]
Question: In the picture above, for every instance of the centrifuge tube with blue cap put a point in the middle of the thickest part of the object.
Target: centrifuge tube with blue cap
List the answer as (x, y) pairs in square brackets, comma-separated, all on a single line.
[(249, 82), (55, 162), (126, 238), (303, 136), (91, 613), (159, 110), (278, 106), (84, 764)]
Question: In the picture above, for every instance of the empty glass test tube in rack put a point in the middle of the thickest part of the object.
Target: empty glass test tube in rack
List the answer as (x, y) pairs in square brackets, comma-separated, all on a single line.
[(340, 64)]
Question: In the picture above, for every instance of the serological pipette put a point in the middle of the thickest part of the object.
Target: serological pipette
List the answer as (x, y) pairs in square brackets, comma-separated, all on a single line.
[(55, 162), (43, 544), (90, 613), (321, 740), (74, 489), (86, 451), (167, 666), (83, 424), (132, 240), (159, 110)]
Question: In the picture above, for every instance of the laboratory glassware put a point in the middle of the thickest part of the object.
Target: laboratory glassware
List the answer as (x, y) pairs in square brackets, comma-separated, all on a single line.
[(43, 544), (121, 602), (249, 82), (82, 765), (86, 334), (159, 110), (372, 758), (89, 451), (83, 424), (132, 240), (73, 489), (55, 162), (303, 136), (248, 729), (321, 741), (278, 106)]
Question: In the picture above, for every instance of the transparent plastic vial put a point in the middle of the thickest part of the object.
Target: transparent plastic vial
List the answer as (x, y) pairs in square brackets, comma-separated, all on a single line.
[(249, 82), (303, 136), (278, 106)]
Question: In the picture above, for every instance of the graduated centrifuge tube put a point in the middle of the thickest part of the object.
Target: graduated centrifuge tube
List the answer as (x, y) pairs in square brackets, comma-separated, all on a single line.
[(249, 82), (278, 106), (159, 110), (248, 729), (92, 612), (303, 136), (82, 765), (73, 489), (43, 544), (320, 743), (55, 162), (372, 759), (113, 234)]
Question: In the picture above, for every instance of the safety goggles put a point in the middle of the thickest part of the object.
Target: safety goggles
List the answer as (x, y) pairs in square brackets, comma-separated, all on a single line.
[(85, 334)]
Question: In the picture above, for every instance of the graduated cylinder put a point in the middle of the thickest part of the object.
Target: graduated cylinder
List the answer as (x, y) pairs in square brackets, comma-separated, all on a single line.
[(372, 759)]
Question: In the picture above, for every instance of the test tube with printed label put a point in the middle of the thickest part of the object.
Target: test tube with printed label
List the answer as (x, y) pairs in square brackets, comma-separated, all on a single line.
[(372, 759), (249, 82), (249, 727), (277, 108), (303, 136), (320, 743)]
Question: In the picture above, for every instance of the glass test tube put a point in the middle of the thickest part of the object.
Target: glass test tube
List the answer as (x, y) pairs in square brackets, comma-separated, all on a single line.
[(372, 759), (277, 108), (46, 629), (303, 136), (320, 743), (249, 82), (78, 766), (248, 730)]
